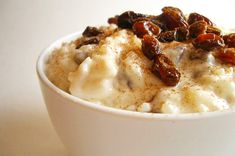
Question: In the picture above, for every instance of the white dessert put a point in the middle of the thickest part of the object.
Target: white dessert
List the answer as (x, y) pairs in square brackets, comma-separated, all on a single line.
[(116, 73)]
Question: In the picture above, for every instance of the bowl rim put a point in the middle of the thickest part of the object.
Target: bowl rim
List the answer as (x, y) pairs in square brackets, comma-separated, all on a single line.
[(40, 66)]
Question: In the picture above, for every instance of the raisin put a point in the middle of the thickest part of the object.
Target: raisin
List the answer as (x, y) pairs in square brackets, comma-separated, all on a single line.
[(127, 19), (159, 22), (91, 31), (141, 28), (181, 34), (150, 46), (172, 18), (226, 55), (94, 40), (229, 40), (169, 8), (208, 41), (167, 36), (194, 17), (141, 19), (165, 69), (197, 28), (214, 30), (113, 20)]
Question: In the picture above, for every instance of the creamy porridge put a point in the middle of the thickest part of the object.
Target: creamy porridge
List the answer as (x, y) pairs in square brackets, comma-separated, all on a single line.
[(159, 64)]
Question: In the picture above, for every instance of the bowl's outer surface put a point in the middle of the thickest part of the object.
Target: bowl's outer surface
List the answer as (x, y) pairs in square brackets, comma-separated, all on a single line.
[(87, 130)]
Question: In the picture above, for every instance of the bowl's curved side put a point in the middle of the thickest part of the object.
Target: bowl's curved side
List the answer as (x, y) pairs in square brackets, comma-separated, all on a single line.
[(89, 132)]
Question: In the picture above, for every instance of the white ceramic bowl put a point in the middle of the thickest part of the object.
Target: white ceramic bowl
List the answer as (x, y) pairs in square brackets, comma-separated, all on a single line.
[(87, 129)]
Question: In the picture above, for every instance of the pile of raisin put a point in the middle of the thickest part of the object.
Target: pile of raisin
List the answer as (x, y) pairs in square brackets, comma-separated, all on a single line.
[(172, 25)]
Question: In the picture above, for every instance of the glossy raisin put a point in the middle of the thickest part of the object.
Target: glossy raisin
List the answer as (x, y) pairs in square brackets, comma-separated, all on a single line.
[(208, 41), (127, 19), (181, 34), (150, 46), (173, 19), (229, 40), (176, 10), (197, 28), (167, 36), (165, 69), (226, 55), (159, 22), (140, 28), (194, 17), (214, 30), (91, 31)]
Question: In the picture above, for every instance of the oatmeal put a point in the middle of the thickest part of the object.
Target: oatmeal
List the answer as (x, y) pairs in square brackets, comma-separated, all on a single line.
[(160, 64)]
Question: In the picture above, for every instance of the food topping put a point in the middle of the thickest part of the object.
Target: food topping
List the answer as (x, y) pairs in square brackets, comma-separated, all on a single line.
[(150, 46), (181, 34), (172, 25), (140, 28), (208, 41), (213, 29), (167, 36), (226, 55), (164, 68), (230, 40), (91, 31), (127, 19), (195, 17), (173, 18), (197, 28), (166, 63)]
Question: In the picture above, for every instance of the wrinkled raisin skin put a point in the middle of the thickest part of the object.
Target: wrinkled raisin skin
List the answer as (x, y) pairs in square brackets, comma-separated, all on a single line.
[(159, 22), (173, 19), (164, 68), (176, 10), (140, 28), (181, 34), (214, 30), (127, 19), (208, 41), (194, 17), (229, 40), (197, 28), (226, 55), (167, 36), (150, 46), (91, 31)]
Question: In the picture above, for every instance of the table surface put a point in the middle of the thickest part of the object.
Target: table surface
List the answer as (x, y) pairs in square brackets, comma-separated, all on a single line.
[(27, 27)]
